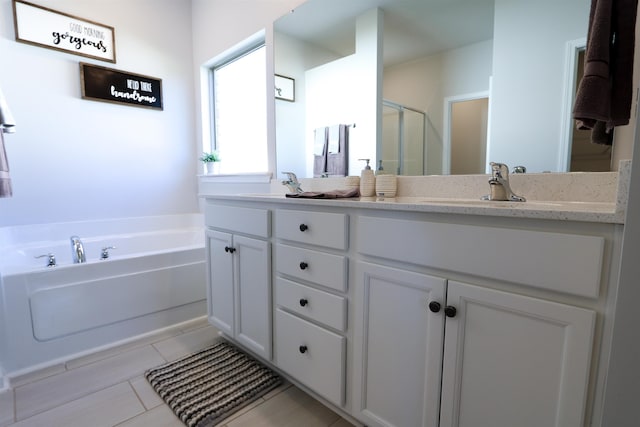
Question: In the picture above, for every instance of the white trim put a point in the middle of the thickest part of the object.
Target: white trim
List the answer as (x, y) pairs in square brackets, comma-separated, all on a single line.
[(446, 129), (572, 49)]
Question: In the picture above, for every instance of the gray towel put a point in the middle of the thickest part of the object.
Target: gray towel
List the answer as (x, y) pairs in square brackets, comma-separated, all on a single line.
[(5, 179), (320, 152), (337, 162)]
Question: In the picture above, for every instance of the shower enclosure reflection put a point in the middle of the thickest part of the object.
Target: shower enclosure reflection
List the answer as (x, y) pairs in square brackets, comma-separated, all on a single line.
[(404, 144)]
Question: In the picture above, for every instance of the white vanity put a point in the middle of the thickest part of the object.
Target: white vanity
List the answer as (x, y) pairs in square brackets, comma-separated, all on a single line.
[(418, 311)]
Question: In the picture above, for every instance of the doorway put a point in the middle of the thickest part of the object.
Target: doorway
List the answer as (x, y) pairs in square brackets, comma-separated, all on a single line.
[(465, 136)]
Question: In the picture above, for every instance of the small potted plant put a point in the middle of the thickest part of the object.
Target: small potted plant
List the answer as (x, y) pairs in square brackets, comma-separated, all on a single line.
[(211, 161)]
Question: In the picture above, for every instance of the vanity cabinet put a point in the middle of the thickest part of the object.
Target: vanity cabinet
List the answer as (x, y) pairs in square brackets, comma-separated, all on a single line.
[(310, 301), (404, 318), (239, 275), (479, 357), (442, 352)]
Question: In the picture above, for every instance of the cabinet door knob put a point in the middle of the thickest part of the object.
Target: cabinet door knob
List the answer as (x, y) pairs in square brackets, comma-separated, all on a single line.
[(434, 306), (304, 227), (450, 311), (229, 249), (303, 302), (303, 265), (303, 349)]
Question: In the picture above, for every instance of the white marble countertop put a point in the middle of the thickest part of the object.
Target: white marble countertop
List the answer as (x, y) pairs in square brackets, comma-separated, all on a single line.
[(553, 210)]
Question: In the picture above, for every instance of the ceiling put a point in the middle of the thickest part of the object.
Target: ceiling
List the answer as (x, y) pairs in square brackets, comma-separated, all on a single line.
[(412, 28)]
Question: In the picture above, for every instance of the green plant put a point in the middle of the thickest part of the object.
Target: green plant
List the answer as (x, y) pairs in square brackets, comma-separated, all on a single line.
[(210, 157)]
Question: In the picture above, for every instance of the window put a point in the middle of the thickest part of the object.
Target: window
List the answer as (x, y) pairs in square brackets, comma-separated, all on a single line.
[(240, 112)]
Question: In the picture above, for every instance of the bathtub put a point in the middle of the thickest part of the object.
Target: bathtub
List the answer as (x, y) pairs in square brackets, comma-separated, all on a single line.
[(154, 278)]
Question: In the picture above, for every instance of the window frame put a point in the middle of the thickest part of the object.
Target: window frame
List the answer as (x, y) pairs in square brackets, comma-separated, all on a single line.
[(262, 38)]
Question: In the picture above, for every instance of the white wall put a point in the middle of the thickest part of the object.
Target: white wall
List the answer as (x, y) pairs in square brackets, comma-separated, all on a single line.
[(74, 159)]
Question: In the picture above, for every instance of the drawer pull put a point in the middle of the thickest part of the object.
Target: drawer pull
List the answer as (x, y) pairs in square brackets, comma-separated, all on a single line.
[(303, 349), (434, 306), (450, 311), (303, 265), (229, 249), (304, 227), (303, 302)]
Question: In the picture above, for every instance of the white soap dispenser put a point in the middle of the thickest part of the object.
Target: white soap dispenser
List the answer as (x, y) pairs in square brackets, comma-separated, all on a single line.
[(367, 181)]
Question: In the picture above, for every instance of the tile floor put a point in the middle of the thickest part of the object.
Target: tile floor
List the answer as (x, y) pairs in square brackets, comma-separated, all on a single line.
[(107, 389)]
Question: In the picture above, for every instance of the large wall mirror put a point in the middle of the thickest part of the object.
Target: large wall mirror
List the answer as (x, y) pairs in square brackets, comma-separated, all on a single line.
[(434, 86)]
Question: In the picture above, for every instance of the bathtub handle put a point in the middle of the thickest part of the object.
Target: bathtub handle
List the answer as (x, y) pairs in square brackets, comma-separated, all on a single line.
[(105, 252), (51, 259)]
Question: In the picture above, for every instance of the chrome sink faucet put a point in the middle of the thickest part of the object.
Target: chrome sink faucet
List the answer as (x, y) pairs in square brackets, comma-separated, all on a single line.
[(77, 250), (499, 185), (292, 182)]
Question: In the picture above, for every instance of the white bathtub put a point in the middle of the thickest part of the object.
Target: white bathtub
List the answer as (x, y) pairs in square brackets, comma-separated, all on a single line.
[(155, 278)]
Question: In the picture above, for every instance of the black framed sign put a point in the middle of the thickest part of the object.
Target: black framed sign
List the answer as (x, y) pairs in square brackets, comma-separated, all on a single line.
[(41, 26), (109, 85)]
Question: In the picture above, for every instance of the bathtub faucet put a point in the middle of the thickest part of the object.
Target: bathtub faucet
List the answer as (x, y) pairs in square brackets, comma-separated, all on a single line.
[(77, 250)]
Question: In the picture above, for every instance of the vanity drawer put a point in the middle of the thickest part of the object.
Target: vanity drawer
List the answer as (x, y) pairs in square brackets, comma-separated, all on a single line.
[(312, 355), (239, 219), (323, 307), (318, 267), (569, 263), (314, 228)]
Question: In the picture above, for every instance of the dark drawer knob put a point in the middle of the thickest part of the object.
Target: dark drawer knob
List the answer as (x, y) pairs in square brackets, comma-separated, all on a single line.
[(304, 227), (434, 306), (303, 302), (450, 311), (303, 265), (303, 349), (229, 249)]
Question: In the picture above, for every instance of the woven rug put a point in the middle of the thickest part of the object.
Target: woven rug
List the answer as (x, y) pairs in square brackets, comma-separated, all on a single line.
[(206, 387)]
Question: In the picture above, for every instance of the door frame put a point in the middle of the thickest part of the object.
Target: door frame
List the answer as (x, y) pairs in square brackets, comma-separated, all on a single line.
[(572, 50)]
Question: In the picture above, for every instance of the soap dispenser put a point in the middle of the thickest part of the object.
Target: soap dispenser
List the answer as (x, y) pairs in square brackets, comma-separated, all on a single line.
[(380, 170), (367, 181)]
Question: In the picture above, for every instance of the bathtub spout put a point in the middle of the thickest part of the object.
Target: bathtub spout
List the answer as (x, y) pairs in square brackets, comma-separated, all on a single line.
[(77, 250)]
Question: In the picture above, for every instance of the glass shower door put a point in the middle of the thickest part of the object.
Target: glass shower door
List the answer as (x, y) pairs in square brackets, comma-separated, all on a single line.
[(403, 140)]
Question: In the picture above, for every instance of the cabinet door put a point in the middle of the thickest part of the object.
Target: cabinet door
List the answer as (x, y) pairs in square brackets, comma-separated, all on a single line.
[(511, 360), (253, 294), (220, 292), (399, 341)]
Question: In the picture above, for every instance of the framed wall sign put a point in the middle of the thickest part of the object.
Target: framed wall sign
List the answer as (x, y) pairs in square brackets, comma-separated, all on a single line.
[(285, 88), (41, 26), (109, 85)]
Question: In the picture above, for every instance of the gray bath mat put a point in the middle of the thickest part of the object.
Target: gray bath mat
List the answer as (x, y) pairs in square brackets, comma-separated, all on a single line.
[(206, 387)]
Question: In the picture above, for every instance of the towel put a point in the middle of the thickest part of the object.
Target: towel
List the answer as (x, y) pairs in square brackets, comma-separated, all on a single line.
[(334, 194), (337, 162), (7, 122), (5, 179), (334, 139), (605, 91), (320, 152)]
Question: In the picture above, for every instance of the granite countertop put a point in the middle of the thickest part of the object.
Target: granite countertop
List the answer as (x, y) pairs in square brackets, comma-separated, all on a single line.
[(555, 210), (599, 197)]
